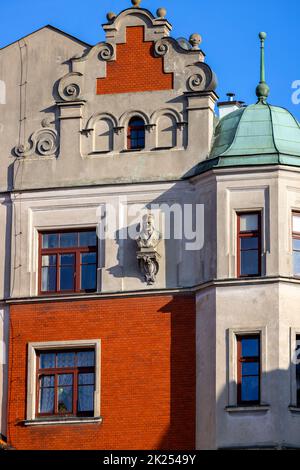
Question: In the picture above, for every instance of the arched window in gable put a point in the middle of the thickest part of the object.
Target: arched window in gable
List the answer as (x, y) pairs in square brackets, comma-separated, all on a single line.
[(136, 134), (104, 135)]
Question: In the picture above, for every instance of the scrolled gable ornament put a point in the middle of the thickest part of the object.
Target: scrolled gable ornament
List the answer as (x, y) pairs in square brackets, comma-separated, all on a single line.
[(43, 142), (195, 82), (147, 255), (106, 51), (161, 47), (200, 77), (69, 87)]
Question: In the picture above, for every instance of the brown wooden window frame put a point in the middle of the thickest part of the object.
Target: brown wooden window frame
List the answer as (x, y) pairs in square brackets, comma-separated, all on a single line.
[(250, 359), (77, 251), (140, 129), (248, 234), (56, 371)]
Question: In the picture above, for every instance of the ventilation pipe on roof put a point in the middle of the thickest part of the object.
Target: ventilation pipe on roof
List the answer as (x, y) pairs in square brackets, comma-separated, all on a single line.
[(226, 107)]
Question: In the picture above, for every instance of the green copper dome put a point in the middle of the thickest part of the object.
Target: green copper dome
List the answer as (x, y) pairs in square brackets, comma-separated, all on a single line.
[(259, 134), (259, 129)]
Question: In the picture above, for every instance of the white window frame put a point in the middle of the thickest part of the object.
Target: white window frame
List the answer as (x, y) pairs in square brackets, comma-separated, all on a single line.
[(31, 417)]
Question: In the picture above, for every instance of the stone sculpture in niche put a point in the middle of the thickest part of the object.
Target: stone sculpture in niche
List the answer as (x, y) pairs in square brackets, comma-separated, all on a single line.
[(147, 255)]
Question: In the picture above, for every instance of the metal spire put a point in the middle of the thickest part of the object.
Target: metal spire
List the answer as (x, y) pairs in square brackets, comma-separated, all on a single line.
[(262, 90)]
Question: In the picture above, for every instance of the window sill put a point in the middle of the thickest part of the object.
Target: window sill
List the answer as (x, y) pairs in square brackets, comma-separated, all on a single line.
[(56, 421), (163, 148), (294, 409), (66, 293), (247, 409), (252, 276), (101, 152)]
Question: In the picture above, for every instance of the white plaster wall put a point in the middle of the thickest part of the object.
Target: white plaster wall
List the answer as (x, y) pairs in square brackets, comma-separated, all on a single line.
[(36, 62), (118, 267), (259, 312), (289, 325), (205, 370), (245, 190), (270, 305)]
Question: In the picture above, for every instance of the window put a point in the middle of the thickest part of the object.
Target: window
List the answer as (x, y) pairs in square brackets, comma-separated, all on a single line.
[(248, 369), (296, 244), (249, 244), (68, 261), (136, 134), (297, 364), (65, 383)]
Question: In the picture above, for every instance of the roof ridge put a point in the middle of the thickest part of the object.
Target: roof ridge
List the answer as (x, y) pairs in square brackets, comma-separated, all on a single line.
[(272, 127), (236, 131), (54, 28)]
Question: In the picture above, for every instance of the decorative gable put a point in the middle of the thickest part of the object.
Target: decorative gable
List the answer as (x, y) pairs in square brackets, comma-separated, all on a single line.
[(136, 67), (138, 73)]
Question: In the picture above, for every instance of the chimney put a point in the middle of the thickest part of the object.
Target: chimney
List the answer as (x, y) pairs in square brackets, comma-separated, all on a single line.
[(227, 107)]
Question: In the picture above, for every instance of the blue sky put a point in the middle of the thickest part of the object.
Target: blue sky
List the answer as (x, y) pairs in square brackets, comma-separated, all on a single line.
[(229, 30)]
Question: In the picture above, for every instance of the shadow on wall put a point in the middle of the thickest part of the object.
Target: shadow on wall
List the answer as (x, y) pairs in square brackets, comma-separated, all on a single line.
[(181, 431), (4, 318), (182, 267), (3, 373), (274, 424)]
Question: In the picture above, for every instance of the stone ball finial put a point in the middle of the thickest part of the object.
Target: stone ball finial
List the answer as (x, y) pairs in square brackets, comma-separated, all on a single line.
[(111, 16), (262, 36), (262, 92), (195, 40), (161, 13), (136, 3)]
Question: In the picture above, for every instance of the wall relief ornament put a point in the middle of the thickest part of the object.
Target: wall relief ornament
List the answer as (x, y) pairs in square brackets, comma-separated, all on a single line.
[(200, 77), (106, 51), (161, 47), (44, 142), (195, 82), (147, 255), (69, 87)]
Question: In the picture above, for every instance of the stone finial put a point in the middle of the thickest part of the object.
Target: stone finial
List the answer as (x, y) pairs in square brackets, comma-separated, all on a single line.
[(262, 89), (136, 3), (161, 13), (111, 16), (195, 41)]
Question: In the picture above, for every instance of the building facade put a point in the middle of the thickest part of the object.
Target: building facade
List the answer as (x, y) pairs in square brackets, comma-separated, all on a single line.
[(123, 326)]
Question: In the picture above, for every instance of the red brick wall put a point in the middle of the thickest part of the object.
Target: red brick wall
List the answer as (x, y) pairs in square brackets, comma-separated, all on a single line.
[(136, 68), (148, 371)]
